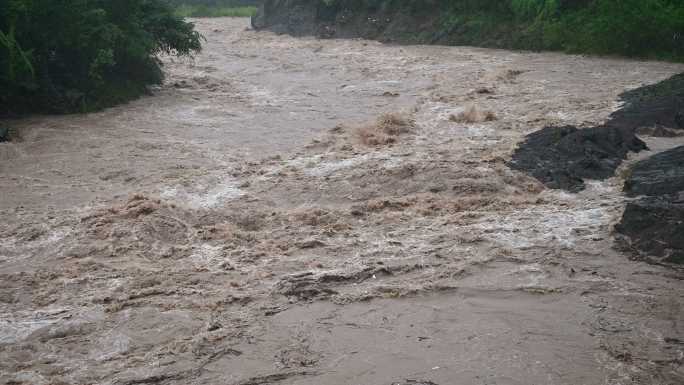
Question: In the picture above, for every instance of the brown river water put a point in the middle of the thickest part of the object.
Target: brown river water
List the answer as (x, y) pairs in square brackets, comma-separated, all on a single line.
[(238, 227)]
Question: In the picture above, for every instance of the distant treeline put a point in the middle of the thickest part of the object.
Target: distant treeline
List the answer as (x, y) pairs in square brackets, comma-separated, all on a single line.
[(80, 55)]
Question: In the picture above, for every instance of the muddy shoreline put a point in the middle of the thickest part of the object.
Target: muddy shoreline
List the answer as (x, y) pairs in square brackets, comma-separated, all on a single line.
[(200, 235)]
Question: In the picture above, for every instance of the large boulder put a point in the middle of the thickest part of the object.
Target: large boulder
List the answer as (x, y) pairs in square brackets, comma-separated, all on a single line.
[(661, 174), (653, 224), (654, 228), (563, 157)]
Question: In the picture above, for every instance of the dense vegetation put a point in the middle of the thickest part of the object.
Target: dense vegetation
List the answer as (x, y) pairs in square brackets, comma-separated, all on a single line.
[(214, 11), (644, 28), (77, 55), (639, 28), (217, 3), (215, 8)]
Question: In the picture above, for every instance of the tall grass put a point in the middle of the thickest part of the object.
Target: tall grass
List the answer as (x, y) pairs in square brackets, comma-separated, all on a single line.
[(188, 10)]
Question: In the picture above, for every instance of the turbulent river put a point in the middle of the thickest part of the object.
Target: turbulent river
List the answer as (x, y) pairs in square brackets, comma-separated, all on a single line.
[(242, 225)]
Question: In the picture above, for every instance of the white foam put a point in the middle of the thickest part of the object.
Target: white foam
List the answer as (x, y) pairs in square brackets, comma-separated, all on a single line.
[(15, 327), (202, 197), (207, 257), (570, 221)]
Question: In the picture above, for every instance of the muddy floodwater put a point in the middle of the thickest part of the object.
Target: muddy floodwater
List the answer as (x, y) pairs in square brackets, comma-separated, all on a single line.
[(260, 219)]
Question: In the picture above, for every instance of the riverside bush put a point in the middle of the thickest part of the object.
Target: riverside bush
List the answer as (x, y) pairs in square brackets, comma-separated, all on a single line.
[(80, 55)]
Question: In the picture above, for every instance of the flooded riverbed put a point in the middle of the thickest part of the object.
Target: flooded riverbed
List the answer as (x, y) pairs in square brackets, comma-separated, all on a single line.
[(237, 226)]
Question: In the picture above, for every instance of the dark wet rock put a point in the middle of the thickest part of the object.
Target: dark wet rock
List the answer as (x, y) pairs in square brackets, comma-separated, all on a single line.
[(660, 132), (414, 382), (660, 104), (295, 17), (563, 157), (653, 225), (4, 134), (259, 20), (660, 174), (381, 20)]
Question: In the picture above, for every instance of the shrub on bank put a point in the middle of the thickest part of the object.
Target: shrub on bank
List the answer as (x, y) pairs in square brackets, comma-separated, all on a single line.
[(79, 55)]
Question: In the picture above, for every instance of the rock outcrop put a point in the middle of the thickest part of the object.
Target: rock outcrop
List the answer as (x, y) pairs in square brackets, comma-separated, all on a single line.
[(562, 157), (661, 174), (653, 224)]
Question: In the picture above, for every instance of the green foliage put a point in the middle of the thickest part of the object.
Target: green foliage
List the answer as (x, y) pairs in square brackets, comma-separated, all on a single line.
[(18, 63), (18, 59), (73, 55), (215, 3), (215, 8), (651, 28), (640, 28), (201, 10), (531, 9)]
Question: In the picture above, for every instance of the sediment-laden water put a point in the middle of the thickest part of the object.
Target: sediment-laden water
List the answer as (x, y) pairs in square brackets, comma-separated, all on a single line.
[(305, 211)]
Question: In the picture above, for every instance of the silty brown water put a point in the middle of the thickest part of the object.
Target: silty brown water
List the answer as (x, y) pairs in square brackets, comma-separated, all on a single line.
[(236, 227)]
